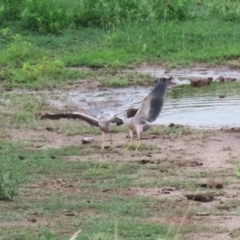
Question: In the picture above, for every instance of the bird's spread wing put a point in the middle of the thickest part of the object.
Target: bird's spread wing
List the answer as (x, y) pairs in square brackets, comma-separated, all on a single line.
[(152, 104), (75, 115)]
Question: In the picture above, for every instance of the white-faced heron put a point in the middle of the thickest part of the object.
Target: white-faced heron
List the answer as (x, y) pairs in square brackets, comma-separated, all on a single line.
[(147, 113)]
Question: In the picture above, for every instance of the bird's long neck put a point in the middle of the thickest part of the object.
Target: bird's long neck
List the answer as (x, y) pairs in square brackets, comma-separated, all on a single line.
[(129, 122)]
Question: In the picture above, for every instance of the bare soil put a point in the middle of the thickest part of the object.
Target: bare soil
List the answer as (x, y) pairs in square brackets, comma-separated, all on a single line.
[(212, 154)]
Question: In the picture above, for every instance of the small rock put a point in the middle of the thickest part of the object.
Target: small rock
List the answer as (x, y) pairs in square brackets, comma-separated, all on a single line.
[(87, 140), (216, 139), (226, 79), (69, 214), (211, 185), (222, 96), (201, 197), (145, 161), (148, 235), (32, 220), (175, 125), (21, 157), (189, 163), (199, 82), (106, 190), (203, 214), (220, 79)]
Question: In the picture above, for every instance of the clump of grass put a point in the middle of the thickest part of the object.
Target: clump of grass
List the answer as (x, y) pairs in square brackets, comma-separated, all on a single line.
[(21, 117), (128, 79), (8, 182), (228, 9), (171, 132), (56, 16), (238, 171)]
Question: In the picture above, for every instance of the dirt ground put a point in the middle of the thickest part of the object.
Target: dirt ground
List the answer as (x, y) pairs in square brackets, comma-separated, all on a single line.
[(198, 169), (211, 156)]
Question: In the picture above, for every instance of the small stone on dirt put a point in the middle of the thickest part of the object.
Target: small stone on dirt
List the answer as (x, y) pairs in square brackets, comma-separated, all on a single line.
[(222, 96), (148, 235), (21, 157), (199, 82), (189, 163), (145, 161), (233, 129), (69, 214), (87, 140), (226, 79), (211, 185), (106, 190), (32, 220), (201, 197), (175, 125), (203, 214)]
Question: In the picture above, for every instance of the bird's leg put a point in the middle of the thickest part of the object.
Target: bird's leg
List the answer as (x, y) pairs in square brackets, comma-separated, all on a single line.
[(131, 137), (111, 140), (139, 141), (103, 141)]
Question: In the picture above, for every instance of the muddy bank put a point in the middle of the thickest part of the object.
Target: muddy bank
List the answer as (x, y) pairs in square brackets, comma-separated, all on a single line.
[(212, 106)]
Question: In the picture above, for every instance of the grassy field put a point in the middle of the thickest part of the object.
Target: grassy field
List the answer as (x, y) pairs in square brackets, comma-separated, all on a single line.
[(38, 47), (51, 185)]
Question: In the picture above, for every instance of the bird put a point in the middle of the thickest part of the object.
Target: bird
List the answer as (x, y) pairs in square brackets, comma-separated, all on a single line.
[(103, 121), (146, 114)]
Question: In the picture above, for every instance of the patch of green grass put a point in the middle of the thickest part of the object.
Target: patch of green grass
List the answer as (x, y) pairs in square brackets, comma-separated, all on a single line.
[(128, 79), (8, 183), (49, 169), (171, 132), (32, 60)]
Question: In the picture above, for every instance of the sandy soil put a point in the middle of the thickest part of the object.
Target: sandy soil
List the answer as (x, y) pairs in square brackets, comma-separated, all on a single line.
[(212, 153)]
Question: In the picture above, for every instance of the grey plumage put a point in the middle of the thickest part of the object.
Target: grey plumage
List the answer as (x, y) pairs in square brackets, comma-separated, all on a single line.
[(148, 112), (103, 122)]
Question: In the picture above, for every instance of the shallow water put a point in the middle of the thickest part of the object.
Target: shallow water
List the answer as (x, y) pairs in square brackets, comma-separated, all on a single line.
[(197, 107)]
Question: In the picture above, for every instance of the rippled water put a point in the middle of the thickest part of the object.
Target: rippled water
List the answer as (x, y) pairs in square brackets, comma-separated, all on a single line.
[(198, 107), (202, 107)]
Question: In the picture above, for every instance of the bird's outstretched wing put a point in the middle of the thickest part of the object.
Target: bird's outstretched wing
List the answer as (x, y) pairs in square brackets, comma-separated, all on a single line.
[(75, 115), (152, 104)]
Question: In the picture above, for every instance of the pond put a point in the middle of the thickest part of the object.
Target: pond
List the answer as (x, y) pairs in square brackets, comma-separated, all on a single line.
[(196, 107)]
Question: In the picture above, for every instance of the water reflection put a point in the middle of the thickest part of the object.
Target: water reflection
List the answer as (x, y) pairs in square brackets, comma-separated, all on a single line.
[(202, 107), (198, 107)]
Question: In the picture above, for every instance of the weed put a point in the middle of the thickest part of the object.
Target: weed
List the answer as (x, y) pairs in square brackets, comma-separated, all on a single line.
[(238, 171), (171, 132), (128, 79), (8, 182)]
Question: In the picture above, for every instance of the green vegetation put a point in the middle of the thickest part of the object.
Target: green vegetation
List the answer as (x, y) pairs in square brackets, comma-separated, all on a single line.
[(8, 182), (52, 188), (50, 184), (38, 46)]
